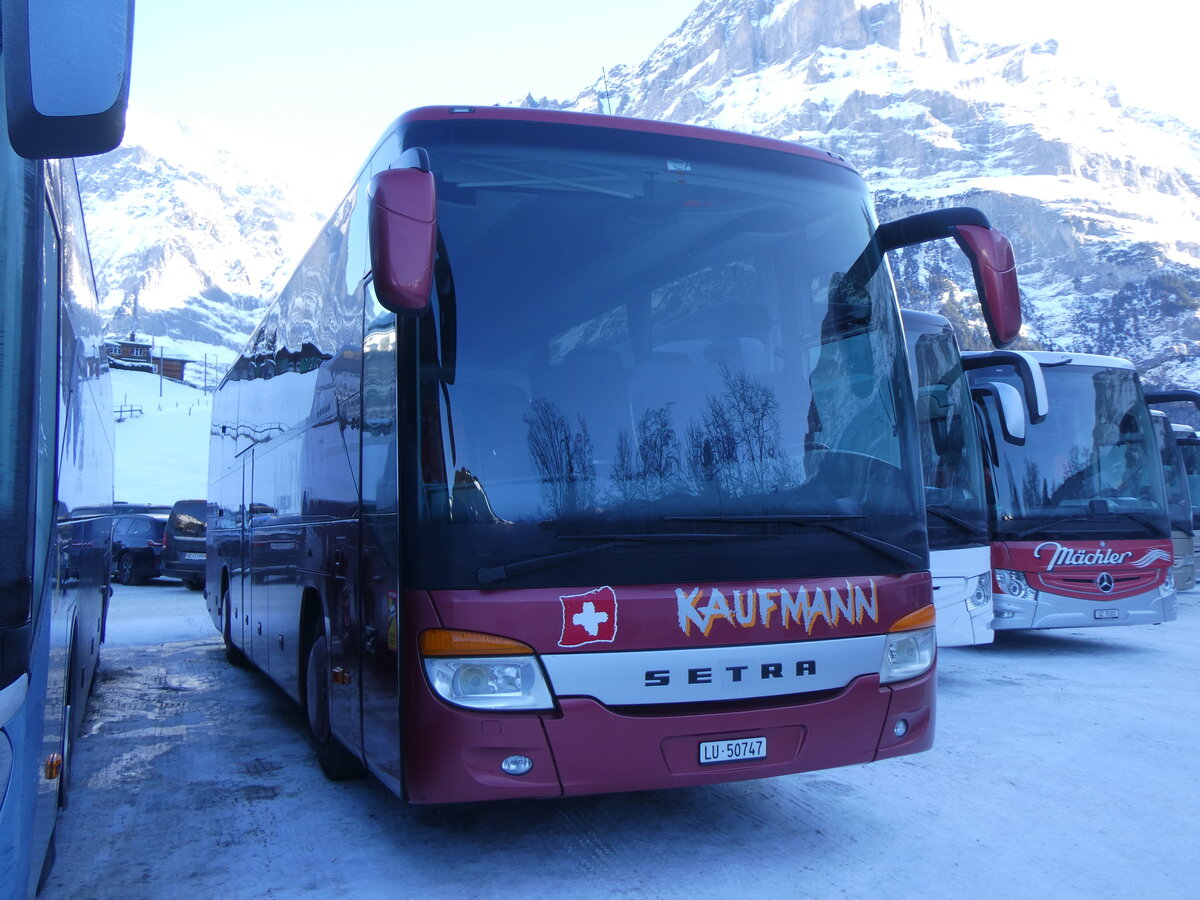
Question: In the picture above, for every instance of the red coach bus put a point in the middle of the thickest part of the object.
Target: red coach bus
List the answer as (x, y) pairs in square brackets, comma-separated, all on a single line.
[(1080, 531), (579, 455)]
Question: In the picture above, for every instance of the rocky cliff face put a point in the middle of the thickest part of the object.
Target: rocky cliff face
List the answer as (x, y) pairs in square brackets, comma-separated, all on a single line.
[(1102, 203)]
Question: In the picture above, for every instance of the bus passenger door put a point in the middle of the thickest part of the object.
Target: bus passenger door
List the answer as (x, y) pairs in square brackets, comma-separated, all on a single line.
[(380, 585)]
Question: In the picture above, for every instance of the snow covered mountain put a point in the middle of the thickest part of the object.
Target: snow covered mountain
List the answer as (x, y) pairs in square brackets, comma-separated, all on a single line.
[(1102, 202), (186, 245)]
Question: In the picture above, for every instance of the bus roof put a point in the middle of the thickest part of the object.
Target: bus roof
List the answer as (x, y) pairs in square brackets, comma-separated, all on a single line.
[(622, 123), (1049, 358), (919, 318)]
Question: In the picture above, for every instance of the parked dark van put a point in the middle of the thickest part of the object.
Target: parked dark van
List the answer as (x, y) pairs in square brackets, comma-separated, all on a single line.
[(183, 553), (137, 543)]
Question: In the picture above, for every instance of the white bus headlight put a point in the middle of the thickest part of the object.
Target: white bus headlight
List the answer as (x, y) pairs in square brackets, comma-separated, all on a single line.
[(6, 760), (981, 594), (1013, 583), (1168, 586), (460, 673)]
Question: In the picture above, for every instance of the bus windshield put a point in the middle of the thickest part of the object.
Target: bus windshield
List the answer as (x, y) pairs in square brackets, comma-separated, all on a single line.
[(1090, 469), (951, 454), (1179, 504), (1189, 452), (707, 348)]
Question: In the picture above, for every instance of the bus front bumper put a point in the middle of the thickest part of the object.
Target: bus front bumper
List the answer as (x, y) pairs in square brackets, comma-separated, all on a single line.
[(587, 748), (1055, 611)]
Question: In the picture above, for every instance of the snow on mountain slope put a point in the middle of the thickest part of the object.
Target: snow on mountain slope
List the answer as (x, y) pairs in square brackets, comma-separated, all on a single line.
[(1102, 201), (184, 243)]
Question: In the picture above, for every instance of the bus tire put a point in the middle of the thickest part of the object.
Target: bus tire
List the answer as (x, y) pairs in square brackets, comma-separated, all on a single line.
[(336, 761), (233, 654), (67, 747)]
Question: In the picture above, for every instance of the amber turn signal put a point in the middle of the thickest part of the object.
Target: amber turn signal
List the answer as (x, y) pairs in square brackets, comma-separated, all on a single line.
[(450, 642), (922, 618)]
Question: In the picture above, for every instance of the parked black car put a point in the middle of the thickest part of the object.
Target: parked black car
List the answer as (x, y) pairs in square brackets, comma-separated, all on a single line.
[(183, 552), (137, 542)]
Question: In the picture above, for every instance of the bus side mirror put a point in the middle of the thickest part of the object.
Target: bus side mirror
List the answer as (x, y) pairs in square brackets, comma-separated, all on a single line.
[(66, 75), (990, 254), (1180, 395), (1033, 382), (402, 223), (995, 271)]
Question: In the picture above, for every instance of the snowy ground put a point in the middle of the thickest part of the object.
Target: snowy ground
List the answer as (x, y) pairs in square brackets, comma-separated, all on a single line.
[(1066, 765), (161, 452)]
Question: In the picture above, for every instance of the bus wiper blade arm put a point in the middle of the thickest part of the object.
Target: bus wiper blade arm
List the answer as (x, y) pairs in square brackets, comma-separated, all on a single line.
[(492, 574), (944, 514), (1146, 523), (828, 522)]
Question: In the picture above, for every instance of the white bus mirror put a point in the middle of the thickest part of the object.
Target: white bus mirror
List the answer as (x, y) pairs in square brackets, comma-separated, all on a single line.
[(66, 75)]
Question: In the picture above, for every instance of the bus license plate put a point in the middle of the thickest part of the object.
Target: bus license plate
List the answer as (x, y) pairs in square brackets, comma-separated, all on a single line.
[(1106, 613), (193, 556), (732, 751)]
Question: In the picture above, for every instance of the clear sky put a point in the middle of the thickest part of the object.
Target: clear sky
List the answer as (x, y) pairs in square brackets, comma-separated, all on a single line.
[(308, 85)]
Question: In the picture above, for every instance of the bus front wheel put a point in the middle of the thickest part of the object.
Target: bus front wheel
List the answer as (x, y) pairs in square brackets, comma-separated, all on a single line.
[(336, 761), (233, 653)]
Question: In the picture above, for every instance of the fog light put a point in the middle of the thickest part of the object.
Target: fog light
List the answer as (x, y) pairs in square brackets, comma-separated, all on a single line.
[(900, 729), (516, 765)]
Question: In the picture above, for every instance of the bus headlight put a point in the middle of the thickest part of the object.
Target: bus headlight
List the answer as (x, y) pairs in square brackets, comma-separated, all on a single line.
[(911, 647), (6, 759), (1013, 583), (1168, 586), (465, 668), (981, 596), (480, 683)]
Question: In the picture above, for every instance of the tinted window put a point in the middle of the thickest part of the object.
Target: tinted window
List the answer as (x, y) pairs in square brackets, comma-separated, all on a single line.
[(187, 519)]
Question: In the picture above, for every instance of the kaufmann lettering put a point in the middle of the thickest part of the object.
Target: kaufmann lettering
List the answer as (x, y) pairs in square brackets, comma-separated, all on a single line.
[(776, 607), (1075, 556), (732, 674)]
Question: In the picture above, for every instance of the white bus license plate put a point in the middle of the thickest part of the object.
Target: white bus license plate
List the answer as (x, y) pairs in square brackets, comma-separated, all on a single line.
[(1106, 613), (733, 751), (193, 556)]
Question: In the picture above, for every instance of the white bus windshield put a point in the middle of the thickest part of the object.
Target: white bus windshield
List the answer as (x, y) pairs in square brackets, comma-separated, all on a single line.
[(951, 455)]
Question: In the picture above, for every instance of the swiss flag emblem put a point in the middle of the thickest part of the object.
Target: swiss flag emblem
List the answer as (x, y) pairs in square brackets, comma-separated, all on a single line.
[(589, 618)]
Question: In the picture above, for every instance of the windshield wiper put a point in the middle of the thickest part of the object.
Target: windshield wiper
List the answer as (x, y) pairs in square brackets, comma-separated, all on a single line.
[(943, 513), (492, 574), (1095, 518), (829, 523)]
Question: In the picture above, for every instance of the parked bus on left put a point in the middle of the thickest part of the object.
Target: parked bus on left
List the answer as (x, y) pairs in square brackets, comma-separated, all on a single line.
[(61, 100)]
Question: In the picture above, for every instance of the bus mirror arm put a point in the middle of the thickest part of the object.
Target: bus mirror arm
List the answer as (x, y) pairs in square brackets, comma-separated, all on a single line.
[(1037, 402), (1180, 395), (402, 224), (993, 264), (1009, 408)]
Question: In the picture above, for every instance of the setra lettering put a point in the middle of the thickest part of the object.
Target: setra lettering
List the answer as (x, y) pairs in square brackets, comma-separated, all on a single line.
[(771, 671)]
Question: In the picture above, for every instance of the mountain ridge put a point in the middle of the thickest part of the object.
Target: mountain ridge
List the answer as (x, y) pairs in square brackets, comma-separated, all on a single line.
[(1102, 202)]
